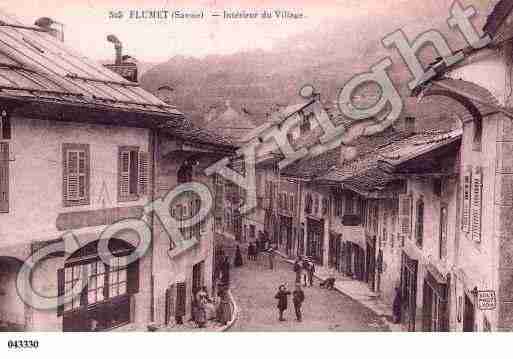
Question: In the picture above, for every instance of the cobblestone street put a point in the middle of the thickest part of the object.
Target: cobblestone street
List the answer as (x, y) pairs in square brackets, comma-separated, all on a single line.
[(254, 286)]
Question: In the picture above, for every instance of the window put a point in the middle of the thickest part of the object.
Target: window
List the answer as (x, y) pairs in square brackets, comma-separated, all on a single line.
[(134, 171), (76, 172), (405, 204), (437, 187), (477, 188), (291, 203), (443, 232), (349, 203), (419, 224), (316, 205), (252, 230), (4, 177), (308, 204), (465, 212), (5, 125), (105, 297), (338, 206), (325, 206), (304, 126)]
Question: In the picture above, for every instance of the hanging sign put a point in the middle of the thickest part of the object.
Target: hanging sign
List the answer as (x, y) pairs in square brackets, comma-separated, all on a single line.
[(486, 299)]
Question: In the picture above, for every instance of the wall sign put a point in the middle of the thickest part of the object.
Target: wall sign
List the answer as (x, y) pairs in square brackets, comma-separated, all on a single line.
[(486, 299)]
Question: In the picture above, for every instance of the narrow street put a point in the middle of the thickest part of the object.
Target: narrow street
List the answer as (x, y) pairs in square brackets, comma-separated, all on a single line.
[(254, 286)]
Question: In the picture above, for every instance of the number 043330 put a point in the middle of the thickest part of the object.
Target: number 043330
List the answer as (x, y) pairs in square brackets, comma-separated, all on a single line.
[(22, 344)]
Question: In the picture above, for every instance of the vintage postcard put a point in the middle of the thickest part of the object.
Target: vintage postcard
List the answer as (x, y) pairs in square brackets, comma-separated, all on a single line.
[(284, 166)]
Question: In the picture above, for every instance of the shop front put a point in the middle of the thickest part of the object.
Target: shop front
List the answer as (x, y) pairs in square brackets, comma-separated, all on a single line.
[(435, 310), (409, 268)]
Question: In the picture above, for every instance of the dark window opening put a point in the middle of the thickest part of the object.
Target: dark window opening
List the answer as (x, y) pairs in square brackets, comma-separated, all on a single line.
[(419, 227), (478, 134)]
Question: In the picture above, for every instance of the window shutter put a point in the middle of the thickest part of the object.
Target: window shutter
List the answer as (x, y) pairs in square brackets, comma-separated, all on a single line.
[(465, 213), (477, 187), (4, 177), (405, 214), (75, 167), (124, 173), (60, 291), (133, 277), (144, 173), (72, 165)]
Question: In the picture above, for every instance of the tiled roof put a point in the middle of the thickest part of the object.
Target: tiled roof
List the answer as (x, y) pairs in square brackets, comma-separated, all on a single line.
[(363, 173)]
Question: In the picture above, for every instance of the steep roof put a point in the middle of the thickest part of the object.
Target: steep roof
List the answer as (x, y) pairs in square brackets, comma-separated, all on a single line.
[(231, 123), (365, 174), (35, 65), (49, 78)]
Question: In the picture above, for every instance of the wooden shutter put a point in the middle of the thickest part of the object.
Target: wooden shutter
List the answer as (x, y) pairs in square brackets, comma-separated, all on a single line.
[(124, 173), (144, 173), (60, 291), (4, 177), (405, 214), (133, 277), (75, 174), (477, 187), (466, 196)]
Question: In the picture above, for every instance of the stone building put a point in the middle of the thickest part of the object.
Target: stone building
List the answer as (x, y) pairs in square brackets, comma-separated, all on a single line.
[(82, 150)]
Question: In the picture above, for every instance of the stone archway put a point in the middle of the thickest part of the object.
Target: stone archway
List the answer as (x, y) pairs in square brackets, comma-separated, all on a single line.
[(12, 308)]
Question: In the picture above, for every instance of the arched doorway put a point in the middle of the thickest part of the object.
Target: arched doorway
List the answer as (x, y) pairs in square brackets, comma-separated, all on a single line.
[(105, 302), (12, 308)]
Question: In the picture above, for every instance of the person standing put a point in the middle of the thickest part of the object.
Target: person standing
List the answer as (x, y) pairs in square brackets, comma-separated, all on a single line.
[(396, 306), (225, 271), (271, 258), (298, 269), (283, 300), (237, 262), (311, 271), (298, 297), (306, 268)]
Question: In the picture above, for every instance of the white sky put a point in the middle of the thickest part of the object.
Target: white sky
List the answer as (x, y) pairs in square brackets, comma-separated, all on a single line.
[(87, 22)]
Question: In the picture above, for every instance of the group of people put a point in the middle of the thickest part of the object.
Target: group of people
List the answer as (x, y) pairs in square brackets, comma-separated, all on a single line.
[(205, 308), (304, 269), (298, 297)]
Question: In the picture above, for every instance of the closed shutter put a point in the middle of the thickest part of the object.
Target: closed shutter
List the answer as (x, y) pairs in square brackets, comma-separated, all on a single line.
[(466, 196), (144, 173), (75, 174), (477, 186), (60, 291), (4, 177), (124, 173), (133, 277), (405, 214)]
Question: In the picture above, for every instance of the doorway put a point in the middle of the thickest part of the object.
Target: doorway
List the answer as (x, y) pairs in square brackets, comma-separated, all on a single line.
[(468, 315)]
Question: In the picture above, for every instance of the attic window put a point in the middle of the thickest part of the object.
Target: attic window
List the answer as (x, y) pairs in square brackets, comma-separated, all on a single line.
[(477, 135)]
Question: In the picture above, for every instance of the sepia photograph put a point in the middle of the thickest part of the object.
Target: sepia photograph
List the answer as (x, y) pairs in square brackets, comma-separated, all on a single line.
[(255, 166)]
